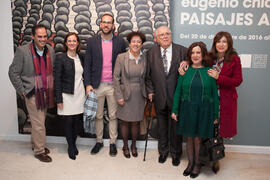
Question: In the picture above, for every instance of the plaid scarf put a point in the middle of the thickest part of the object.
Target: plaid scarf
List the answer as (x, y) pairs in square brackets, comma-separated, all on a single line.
[(42, 100)]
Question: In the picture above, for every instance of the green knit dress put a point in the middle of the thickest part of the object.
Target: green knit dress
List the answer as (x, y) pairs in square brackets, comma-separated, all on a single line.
[(196, 116)]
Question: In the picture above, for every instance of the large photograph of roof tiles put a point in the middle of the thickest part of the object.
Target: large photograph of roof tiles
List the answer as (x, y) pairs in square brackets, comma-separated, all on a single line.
[(82, 17)]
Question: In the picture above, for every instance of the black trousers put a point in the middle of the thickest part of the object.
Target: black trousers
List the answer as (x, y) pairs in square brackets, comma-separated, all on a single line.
[(169, 141)]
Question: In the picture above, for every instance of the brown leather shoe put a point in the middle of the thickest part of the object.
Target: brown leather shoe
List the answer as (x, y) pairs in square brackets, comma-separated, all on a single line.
[(126, 152), (134, 151), (43, 157)]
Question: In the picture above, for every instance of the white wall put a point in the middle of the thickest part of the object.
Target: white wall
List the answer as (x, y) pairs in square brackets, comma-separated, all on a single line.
[(8, 113)]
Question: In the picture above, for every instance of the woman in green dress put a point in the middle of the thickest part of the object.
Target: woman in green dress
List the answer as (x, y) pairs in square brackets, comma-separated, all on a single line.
[(195, 105)]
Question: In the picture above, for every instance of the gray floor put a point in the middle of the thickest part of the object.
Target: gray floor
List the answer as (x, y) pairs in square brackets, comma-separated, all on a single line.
[(17, 163)]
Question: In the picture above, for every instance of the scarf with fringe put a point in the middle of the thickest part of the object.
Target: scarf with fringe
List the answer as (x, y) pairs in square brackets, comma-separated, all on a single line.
[(44, 92)]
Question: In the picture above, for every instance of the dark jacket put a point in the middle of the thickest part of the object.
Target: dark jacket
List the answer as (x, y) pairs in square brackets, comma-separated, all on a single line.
[(157, 82), (64, 75), (94, 60)]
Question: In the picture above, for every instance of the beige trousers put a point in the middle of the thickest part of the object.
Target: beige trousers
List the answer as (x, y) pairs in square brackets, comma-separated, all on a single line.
[(106, 91), (38, 131)]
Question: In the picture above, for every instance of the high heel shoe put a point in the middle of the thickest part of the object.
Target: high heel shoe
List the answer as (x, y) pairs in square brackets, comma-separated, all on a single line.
[(76, 151), (194, 175), (71, 154), (188, 170), (126, 152), (215, 167), (134, 151)]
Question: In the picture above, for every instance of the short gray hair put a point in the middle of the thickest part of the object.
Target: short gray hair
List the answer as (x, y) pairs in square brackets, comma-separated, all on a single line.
[(156, 30)]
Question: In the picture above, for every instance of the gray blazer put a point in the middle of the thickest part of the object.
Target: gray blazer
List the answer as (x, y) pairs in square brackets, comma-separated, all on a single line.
[(121, 76), (22, 72)]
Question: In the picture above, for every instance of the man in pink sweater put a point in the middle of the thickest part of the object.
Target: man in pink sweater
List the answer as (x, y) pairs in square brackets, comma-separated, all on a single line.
[(100, 57)]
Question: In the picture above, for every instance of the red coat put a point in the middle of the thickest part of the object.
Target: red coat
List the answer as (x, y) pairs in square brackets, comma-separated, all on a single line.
[(229, 78)]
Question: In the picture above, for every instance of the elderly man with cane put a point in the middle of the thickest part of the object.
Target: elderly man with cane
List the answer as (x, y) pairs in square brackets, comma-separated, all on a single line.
[(161, 78)]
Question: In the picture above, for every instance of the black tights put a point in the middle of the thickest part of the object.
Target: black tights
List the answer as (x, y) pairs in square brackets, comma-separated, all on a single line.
[(125, 131), (193, 149), (72, 127)]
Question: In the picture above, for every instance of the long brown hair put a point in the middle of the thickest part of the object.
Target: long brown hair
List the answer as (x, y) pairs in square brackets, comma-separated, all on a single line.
[(78, 39), (205, 57), (230, 51)]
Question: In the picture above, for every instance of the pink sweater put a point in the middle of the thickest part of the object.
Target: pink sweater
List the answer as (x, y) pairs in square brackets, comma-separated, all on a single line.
[(107, 61)]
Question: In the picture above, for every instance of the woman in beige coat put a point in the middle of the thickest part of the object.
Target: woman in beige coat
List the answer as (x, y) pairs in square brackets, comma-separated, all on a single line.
[(129, 89)]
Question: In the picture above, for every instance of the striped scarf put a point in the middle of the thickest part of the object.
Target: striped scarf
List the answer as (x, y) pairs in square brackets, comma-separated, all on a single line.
[(44, 95)]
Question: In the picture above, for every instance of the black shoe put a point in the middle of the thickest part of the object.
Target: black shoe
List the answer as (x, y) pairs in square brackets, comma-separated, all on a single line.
[(43, 157), (113, 150), (162, 158), (194, 175), (175, 161), (187, 171), (71, 154), (96, 148), (76, 151)]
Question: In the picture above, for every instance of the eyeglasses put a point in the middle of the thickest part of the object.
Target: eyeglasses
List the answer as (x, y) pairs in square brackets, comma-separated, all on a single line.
[(164, 34), (106, 22)]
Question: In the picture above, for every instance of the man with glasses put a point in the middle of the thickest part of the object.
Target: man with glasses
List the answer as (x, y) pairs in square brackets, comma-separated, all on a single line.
[(161, 79), (100, 57)]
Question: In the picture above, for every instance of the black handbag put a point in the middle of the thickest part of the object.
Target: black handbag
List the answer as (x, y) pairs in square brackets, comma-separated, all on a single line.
[(212, 149)]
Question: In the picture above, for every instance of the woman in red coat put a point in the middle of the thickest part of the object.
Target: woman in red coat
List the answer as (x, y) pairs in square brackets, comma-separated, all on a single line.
[(228, 73)]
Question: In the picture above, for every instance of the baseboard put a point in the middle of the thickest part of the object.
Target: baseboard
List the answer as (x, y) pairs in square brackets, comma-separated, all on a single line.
[(247, 149), (152, 144)]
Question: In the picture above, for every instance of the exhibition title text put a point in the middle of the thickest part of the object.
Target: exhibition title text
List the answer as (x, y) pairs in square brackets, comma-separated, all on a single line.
[(221, 16)]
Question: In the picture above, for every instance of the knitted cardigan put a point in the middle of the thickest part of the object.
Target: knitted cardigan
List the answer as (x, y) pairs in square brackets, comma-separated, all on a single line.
[(209, 90)]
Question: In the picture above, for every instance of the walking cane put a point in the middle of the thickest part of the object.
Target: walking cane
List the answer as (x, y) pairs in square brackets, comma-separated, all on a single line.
[(148, 127)]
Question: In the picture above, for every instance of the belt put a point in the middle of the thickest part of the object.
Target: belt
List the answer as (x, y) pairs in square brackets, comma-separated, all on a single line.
[(107, 83)]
